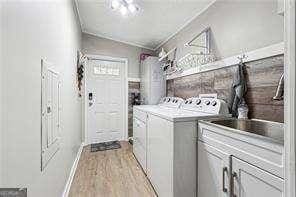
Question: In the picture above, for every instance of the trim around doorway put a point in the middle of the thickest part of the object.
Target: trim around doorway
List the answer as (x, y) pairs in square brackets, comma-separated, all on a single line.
[(290, 103), (84, 118)]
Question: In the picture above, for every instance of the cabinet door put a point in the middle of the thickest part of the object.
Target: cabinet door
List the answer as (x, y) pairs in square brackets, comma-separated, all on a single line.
[(251, 181), (160, 155), (139, 146), (213, 172)]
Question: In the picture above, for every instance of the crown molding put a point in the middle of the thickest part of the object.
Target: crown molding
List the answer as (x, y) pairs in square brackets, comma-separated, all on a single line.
[(185, 24), (78, 14), (84, 30), (116, 40)]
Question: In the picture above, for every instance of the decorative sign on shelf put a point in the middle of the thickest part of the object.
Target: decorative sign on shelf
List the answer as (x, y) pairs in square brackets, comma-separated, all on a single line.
[(195, 60), (200, 53), (168, 62)]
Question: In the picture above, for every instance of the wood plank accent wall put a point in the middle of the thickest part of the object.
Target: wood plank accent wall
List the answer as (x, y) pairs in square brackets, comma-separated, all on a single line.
[(262, 79), (133, 87)]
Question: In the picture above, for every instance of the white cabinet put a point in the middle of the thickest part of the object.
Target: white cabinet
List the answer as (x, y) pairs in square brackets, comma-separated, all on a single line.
[(153, 81), (253, 167), (250, 181), (263, 153), (213, 171), (139, 146)]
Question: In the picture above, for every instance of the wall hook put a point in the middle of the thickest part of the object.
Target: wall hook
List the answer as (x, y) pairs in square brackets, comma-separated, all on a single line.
[(242, 58)]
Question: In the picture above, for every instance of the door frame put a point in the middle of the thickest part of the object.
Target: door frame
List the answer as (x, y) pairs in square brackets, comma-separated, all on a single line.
[(85, 96), (290, 103)]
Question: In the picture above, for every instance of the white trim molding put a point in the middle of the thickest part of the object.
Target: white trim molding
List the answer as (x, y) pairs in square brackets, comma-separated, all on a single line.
[(290, 103), (78, 14), (85, 95), (72, 172), (91, 32), (131, 79), (184, 25), (265, 52), (115, 40)]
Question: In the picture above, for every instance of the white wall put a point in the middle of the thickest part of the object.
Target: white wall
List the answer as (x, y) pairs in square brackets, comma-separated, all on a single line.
[(34, 30), (101, 46), (237, 27)]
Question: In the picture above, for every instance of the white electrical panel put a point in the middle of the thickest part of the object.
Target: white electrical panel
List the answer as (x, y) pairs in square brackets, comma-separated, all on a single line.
[(153, 81), (50, 122)]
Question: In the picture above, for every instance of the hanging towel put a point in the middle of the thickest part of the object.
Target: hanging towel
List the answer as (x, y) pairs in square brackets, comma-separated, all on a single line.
[(238, 90)]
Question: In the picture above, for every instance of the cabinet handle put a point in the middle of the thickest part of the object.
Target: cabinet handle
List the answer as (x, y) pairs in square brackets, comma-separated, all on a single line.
[(233, 176), (223, 179)]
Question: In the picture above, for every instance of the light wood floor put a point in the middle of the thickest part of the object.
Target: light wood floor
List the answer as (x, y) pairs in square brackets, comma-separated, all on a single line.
[(110, 173)]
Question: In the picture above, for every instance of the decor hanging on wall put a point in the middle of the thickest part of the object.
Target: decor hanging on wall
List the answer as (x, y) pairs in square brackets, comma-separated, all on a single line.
[(193, 60), (80, 70), (143, 56), (168, 62), (162, 53), (200, 54)]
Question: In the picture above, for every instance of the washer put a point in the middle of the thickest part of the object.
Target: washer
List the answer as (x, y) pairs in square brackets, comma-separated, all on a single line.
[(140, 114), (168, 155)]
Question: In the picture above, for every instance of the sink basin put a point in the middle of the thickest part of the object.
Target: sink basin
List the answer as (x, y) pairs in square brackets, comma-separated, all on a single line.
[(272, 130)]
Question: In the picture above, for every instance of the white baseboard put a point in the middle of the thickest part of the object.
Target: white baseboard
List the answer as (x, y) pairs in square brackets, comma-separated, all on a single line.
[(72, 172)]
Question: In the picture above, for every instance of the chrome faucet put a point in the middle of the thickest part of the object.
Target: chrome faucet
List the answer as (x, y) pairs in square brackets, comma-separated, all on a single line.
[(279, 95)]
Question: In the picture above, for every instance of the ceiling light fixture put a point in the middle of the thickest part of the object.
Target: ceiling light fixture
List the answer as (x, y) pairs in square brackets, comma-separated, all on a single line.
[(132, 8), (124, 6), (115, 4), (123, 10)]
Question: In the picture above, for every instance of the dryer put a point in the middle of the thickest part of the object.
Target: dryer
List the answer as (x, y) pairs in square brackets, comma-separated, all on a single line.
[(171, 136), (140, 114)]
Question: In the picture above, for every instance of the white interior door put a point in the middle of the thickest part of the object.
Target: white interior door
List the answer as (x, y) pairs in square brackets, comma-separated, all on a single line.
[(105, 100)]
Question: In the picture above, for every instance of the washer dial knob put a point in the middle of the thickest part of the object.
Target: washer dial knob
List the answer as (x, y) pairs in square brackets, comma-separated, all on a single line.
[(214, 103)]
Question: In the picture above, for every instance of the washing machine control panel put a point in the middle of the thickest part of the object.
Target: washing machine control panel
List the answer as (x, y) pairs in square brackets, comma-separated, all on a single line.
[(174, 102), (206, 105)]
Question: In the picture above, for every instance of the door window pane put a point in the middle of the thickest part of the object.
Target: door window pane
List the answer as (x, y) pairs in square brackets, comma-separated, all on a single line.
[(106, 70)]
